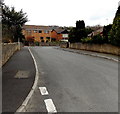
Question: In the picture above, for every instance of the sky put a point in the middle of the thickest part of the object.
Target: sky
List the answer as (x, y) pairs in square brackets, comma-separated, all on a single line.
[(66, 12)]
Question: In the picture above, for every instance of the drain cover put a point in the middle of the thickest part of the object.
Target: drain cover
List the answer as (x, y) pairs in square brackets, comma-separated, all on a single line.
[(22, 74)]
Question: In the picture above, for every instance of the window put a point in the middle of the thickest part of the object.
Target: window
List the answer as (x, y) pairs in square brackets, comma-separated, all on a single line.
[(29, 31), (40, 31), (53, 39), (45, 31), (48, 38), (35, 31), (41, 38)]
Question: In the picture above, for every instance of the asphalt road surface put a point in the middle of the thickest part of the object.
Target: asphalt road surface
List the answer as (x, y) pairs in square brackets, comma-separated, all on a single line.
[(18, 75), (74, 82)]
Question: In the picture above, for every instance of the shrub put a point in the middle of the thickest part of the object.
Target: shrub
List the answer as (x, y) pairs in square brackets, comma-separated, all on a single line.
[(97, 39), (86, 40)]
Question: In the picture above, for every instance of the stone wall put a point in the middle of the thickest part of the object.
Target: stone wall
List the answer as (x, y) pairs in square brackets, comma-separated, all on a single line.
[(49, 44), (8, 49), (64, 45), (103, 48)]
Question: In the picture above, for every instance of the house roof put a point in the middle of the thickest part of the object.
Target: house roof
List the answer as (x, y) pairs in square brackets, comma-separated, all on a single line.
[(36, 27), (45, 28), (59, 30), (100, 30)]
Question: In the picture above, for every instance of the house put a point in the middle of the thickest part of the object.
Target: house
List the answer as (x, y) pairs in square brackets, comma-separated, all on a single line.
[(62, 34), (96, 32), (65, 36), (45, 33)]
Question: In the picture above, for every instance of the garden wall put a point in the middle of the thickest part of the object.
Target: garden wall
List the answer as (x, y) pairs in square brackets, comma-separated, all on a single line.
[(8, 49), (103, 48)]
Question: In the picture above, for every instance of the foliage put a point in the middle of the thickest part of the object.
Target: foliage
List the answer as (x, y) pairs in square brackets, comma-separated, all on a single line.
[(12, 23), (80, 24), (36, 43), (72, 37), (86, 40), (111, 33), (97, 39), (106, 31), (78, 32), (88, 30), (114, 35)]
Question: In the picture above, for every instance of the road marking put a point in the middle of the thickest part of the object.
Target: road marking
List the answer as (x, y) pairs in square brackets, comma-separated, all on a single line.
[(50, 106), (43, 90), (24, 104)]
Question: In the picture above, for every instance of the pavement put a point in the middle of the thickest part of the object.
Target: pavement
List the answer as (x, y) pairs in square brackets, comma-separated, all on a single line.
[(74, 82), (18, 75)]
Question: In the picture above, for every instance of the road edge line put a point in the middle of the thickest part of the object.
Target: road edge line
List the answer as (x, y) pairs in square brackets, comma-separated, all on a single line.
[(27, 99)]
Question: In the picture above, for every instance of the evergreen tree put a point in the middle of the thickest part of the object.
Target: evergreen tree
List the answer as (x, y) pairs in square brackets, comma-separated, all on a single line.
[(106, 31), (114, 36), (77, 33)]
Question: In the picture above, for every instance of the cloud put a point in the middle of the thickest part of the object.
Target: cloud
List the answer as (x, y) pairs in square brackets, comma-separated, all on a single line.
[(66, 12)]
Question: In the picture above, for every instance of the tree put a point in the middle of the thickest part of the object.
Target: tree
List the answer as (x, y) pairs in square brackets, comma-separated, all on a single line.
[(114, 35), (106, 30), (77, 33), (12, 23), (80, 24), (72, 35)]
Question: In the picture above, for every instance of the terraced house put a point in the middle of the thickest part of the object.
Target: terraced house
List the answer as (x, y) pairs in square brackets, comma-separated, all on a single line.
[(45, 33)]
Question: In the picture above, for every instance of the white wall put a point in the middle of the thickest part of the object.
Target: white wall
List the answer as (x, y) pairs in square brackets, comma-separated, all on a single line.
[(65, 35)]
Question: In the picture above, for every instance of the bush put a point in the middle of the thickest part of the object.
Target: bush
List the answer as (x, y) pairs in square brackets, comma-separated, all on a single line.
[(37, 43), (86, 40), (97, 39)]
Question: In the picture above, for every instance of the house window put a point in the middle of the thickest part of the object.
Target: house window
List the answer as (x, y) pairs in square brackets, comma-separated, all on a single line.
[(53, 39), (41, 38), (35, 31), (40, 31), (46, 31), (29, 31), (48, 38)]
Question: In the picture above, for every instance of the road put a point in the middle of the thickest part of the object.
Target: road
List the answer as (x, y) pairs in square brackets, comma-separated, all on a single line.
[(75, 82)]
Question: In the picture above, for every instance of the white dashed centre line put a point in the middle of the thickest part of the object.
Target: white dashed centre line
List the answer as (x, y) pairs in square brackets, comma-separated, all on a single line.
[(43, 90), (50, 106)]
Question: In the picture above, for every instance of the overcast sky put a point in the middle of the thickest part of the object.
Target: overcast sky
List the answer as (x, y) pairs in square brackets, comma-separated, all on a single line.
[(66, 12)]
